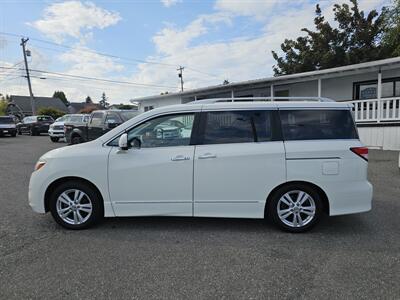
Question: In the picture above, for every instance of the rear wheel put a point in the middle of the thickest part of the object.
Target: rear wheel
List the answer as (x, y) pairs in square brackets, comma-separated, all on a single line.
[(76, 205), (54, 139), (76, 140), (295, 208)]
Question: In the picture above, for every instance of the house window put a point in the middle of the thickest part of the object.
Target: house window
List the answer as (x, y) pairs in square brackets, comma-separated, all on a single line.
[(369, 89), (147, 108)]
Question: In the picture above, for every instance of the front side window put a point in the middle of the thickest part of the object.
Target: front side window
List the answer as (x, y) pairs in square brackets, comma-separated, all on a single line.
[(165, 131), (314, 124), (237, 127), (113, 118), (97, 119)]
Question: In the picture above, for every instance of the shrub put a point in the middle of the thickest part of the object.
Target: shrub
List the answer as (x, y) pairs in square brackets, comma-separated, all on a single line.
[(50, 111), (3, 107)]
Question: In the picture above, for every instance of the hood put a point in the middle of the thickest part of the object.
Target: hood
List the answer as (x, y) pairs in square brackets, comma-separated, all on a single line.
[(71, 151), (59, 123)]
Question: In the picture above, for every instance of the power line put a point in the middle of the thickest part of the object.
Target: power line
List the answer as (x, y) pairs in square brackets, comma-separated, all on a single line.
[(108, 55), (93, 78)]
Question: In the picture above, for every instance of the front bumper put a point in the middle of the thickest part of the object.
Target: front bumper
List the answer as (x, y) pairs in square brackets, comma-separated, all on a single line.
[(11, 131), (56, 133), (36, 192)]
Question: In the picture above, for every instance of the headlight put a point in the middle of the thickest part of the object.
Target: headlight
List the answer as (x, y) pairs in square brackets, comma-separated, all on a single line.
[(40, 164)]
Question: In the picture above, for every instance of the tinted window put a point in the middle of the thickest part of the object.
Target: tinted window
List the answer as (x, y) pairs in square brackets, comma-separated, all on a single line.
[(6, 120), (97, 118), (317, 124), (44, 118), (237, 127)]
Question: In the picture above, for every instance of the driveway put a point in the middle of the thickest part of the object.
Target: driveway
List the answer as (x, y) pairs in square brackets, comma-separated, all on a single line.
[(355, 256)]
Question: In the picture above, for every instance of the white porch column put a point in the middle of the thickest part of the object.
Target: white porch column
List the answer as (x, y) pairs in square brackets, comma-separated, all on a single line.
[(232, 95), (319, 87), (272, 92), (379, 96)]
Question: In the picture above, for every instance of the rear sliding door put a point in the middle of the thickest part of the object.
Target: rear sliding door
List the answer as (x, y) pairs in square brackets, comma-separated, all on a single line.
[(239, 159)]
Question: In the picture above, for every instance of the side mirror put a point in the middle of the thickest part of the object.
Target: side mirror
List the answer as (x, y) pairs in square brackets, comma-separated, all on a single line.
[(123, 142), (136, 143)]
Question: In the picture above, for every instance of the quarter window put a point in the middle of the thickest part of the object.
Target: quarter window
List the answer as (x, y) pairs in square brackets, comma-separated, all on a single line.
[(236, 127), (317, 124)]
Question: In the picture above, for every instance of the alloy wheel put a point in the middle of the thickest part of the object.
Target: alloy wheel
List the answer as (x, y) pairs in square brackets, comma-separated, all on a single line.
[(296, 208), (74, 206)]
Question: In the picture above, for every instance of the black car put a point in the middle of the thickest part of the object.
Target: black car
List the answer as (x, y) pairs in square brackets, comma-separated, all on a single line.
[(100, 122), (7, 126), (35, 125)]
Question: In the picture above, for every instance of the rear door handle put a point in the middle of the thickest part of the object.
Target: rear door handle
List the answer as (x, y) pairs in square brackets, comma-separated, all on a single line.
[(207, 155), (180, 157)]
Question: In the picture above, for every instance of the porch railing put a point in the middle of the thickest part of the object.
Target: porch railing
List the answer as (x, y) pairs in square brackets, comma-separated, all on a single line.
[(376, 111)]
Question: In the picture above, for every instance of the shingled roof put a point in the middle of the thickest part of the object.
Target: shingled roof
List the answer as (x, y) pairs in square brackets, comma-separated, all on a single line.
[(24, 103)]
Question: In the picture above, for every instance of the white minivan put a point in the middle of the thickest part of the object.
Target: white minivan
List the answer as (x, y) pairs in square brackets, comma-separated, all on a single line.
[(289, 161)]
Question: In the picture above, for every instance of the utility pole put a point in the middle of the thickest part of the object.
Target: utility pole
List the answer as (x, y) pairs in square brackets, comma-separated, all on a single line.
[(23, 42), (180, 75)]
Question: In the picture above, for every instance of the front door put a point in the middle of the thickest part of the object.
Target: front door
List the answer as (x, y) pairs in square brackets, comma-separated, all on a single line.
[(95, 126), (240, 161), (156, 179)]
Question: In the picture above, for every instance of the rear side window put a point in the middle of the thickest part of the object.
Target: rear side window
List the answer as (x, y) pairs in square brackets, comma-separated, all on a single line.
[(236, 127), (313, 124)]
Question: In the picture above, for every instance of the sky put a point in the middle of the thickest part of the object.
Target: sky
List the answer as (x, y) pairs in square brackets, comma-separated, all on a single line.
[(133, 48)]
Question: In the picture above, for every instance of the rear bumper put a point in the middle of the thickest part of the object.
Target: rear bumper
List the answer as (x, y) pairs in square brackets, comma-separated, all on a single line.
[(350, 198)]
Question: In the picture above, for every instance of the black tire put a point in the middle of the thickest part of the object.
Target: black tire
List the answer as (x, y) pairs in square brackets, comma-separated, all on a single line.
[(96, 200), (76, 140), (292, 189), (54, 139), (32, 132), (19, 132), (14, 134)]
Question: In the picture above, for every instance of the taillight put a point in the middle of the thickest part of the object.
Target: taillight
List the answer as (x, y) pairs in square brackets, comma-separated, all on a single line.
[(361, 152)]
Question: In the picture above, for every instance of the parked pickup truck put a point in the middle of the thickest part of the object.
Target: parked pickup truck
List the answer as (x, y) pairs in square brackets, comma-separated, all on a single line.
[(100, 122)]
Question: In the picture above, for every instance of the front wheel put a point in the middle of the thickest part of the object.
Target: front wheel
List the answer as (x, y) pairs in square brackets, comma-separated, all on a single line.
[(295, 208), (76, 205), (54, 139)]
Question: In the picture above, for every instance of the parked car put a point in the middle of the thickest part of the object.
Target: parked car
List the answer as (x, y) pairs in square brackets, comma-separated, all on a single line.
[(8, 126), (287, 161), (56, 130), (35, 125), (100, 122)]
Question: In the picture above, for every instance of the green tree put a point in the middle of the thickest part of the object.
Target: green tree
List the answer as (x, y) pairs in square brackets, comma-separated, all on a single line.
[(103, 102), (391, 37), (357, 39), (50, 111), (88, 100), (60, 95)]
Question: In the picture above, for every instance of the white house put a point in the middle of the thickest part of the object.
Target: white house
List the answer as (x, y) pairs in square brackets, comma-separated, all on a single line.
[(373, 88)]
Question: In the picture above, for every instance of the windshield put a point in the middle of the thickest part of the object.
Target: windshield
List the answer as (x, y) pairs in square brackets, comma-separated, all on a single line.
[(6, 120), (62, 119), (126, 115), (44, 118)]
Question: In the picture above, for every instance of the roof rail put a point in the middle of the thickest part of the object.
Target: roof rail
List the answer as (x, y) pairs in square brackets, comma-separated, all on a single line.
[(239, 99)]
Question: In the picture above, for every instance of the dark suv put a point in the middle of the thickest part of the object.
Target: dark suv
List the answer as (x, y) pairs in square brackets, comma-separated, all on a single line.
[(7, 126), (35, 125)]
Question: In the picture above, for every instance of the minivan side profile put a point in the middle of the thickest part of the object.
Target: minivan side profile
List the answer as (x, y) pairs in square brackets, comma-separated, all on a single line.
[(286, 161)]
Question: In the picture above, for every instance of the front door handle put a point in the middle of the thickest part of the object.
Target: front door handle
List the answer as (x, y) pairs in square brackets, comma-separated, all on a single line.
[(207, 155), (180, 157)]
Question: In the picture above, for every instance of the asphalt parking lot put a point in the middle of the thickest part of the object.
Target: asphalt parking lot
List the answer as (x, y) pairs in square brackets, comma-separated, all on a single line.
[(356, 256)]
